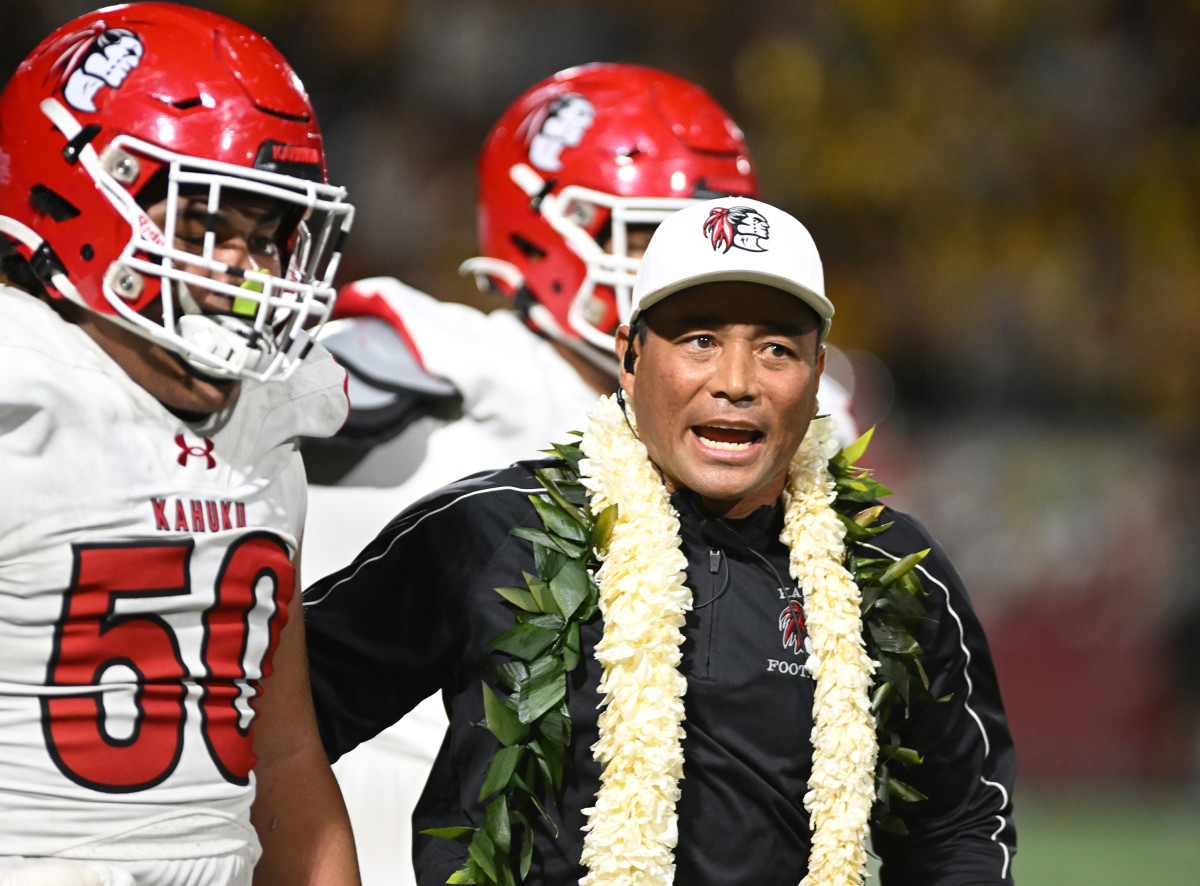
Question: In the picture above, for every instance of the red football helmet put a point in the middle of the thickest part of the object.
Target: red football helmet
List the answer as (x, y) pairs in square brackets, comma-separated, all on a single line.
[(152, 100), (574, 163)]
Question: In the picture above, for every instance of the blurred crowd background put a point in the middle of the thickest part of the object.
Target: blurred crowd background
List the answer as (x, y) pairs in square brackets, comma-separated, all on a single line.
[(1006, 196)]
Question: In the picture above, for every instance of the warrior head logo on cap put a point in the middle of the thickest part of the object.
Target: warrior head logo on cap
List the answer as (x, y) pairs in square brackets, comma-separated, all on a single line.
[(567, 120), (107, 61), (739, 226)]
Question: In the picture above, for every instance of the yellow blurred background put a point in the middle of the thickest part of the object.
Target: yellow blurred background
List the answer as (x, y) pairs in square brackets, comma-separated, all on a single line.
[(1006, 197)]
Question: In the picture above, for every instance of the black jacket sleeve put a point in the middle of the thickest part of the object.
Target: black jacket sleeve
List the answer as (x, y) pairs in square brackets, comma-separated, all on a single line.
[(963, 835), (403, 620)]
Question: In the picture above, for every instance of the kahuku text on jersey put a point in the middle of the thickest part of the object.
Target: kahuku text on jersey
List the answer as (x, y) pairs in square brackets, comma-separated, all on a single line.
[(198, 515)]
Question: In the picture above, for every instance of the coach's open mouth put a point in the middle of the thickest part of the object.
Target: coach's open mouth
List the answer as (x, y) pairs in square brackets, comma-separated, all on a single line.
[(728, 437)]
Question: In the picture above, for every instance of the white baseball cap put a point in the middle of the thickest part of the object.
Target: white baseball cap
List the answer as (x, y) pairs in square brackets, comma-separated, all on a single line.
[(733, 238)]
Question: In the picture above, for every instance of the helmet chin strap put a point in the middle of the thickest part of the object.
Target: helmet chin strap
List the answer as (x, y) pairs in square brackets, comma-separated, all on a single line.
[(225, 337), (483, 268)]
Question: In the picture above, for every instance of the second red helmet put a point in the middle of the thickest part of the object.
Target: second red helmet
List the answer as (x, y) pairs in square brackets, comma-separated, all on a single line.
[(572, 166)]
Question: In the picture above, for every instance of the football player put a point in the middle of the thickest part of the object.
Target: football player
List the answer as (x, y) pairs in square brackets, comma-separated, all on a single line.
[(169, 243), (573, 179)]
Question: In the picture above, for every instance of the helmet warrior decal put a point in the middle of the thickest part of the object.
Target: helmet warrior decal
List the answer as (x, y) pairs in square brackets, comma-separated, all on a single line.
[(95, 61), (575, 171), (562, 124)]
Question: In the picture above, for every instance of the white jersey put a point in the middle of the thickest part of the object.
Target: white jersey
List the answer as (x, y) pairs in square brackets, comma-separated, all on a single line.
[(518, 396), (146, 566)]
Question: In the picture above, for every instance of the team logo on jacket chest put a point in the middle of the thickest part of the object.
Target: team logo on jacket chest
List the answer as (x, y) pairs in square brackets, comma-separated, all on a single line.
[(793, 636)]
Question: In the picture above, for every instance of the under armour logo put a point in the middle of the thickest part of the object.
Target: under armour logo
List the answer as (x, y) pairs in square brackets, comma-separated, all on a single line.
[(203, 451)]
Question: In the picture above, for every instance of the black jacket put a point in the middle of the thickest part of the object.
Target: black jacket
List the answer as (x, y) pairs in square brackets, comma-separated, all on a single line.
[(415, 611)]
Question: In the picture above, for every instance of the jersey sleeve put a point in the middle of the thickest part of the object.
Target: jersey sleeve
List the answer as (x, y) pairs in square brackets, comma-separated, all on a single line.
[(45, 390), (412, 614), (963, 833)]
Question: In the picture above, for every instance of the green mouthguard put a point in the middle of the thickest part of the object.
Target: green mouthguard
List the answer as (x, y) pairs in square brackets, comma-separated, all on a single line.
[(248, 307)]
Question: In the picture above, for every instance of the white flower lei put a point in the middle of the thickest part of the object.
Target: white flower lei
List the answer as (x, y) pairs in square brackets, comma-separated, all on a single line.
[(632, 829), (842, 783)]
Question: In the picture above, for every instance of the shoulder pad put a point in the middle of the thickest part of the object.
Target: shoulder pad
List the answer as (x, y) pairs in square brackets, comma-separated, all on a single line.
[(386, 383)]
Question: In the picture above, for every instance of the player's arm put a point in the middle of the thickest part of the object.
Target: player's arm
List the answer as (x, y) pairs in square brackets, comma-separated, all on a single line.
[(298, 809)]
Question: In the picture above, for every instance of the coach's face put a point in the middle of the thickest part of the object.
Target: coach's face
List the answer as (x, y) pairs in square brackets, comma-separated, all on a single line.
[(724, 386)]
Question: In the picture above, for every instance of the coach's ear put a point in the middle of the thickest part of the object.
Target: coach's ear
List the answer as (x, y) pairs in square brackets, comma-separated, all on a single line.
[(819, 369), (627, 357)]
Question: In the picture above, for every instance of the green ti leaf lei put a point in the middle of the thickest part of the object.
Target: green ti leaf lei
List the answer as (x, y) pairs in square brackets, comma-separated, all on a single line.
[(893, 604), (531, 723)]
